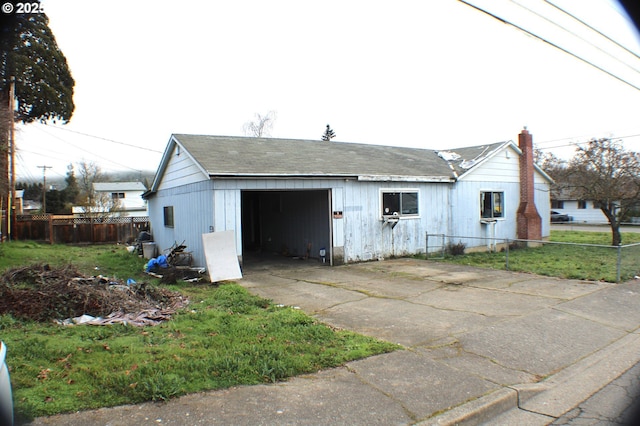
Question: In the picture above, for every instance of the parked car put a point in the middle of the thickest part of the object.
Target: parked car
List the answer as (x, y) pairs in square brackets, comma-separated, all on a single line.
[(6, 397), (559, 217)]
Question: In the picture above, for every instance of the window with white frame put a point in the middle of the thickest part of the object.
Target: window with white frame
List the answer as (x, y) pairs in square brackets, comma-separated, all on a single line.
[(399, 202), (491, 204)]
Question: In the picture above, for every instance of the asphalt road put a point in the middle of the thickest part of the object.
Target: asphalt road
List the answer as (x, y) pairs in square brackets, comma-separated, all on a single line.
[(618, 403)]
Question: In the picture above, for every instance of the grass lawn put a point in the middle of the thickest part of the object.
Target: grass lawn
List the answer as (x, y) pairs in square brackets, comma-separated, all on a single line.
[(565, 260), (225, 337)]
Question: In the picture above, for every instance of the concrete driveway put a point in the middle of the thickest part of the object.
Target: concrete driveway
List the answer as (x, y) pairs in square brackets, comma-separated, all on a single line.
[(481, 346), (469, 332)]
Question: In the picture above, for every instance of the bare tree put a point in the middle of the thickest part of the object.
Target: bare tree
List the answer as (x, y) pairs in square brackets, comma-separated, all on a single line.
[(93, 204), (261, 125), (604, 172)]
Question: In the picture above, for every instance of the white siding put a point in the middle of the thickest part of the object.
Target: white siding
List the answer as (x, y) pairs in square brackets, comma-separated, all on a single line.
[(366, 235), (181, 170), (192, 213), (465, 211), (502, 167), (591, 214)]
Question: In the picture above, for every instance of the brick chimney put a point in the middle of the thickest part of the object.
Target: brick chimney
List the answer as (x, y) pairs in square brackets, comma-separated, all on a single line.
[(529, 223)]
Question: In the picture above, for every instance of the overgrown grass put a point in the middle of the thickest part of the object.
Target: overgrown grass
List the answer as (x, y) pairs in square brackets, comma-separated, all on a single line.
[(565, 261), (226, 337)]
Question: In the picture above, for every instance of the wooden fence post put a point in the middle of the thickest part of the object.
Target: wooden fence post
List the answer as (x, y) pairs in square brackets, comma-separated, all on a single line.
[(51, 229)]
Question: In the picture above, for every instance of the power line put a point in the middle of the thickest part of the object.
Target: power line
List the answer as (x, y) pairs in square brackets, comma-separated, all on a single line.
[(592, 28), (105, 139), (88, 152), (545, 40), (580, 137), (576, 143)]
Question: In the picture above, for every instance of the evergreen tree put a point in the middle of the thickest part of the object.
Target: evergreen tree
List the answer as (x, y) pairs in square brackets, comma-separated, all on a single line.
[(328, 134), (29, 53), (72, 190)]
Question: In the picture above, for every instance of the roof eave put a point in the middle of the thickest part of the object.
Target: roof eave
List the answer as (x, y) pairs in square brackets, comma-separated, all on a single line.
[(364, 178)]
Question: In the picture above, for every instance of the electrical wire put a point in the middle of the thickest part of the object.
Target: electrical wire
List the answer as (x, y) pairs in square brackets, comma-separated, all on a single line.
[(102, 138), (580, 37), (543, 39), (592, 28), (89, 152), (576, 143)]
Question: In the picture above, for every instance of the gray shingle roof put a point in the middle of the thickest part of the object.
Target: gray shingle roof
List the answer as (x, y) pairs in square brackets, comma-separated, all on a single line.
[(245, 156)]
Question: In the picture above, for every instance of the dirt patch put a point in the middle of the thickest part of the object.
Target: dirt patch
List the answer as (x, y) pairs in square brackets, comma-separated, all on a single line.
[(43, 293)]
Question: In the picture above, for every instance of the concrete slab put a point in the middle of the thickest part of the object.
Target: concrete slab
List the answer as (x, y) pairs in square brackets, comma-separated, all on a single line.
[(490, 302), (556, 288), (616, 306), (539, 342), (475, 365), (417, 386), (311, 298), (402, 322)]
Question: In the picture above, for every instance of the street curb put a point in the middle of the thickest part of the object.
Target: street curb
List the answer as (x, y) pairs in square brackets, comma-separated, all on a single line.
[(477, 411), (576, 383), (553, 397)]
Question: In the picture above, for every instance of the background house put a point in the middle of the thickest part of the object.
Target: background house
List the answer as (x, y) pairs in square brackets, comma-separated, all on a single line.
[(357, 202), (126, 196), (579, 211)]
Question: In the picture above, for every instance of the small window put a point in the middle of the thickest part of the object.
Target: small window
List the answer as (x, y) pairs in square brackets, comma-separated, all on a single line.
[(168, 216), (400, 203), (557, 204), (117, 195), (491, 205), (582, 204)]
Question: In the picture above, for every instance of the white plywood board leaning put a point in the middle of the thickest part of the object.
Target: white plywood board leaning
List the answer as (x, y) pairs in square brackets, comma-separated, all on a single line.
[(220, 255)]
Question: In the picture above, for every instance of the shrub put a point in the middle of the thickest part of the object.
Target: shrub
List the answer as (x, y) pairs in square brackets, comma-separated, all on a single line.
[(456, 249)]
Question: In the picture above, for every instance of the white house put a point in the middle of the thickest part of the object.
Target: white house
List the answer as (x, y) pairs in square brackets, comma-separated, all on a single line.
[(358, 202), (579, 211), (127, 195)]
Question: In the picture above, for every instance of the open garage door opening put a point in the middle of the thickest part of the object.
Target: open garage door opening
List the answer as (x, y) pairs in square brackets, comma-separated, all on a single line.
[(286, 226)]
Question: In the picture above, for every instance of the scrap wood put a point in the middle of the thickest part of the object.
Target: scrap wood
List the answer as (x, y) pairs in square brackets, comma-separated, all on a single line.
[(147, 317), (43, 293)]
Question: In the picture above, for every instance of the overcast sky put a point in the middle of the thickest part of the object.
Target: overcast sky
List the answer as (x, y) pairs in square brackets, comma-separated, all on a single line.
[(436, 74)]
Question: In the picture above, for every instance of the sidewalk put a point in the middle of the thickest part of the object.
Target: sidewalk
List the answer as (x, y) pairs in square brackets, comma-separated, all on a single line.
[(478, 345)]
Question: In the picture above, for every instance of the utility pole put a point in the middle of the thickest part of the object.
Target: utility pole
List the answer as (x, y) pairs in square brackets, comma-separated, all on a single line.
[(44, 187), (11, 213)]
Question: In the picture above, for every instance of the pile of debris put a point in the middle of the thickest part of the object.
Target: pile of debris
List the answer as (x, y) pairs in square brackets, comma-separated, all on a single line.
[(44, 293)]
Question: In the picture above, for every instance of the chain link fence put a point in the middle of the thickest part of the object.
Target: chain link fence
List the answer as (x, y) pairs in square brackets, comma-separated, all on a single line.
[(593, 262)]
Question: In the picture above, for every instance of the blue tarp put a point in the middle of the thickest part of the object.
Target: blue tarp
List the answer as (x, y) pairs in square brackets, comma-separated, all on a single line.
[(157, 262)]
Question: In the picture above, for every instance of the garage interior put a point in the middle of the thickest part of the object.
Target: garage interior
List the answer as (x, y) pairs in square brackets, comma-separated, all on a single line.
[(286, 225)]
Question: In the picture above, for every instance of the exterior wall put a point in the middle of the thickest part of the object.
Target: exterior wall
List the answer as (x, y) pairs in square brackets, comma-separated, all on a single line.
[(192, 213), (367, 237), (499, 173), (132, 204), (181, 170), (542, 199), (589, 215)]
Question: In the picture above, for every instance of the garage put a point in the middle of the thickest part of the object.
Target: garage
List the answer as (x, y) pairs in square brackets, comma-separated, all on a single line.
[(285, 224)]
